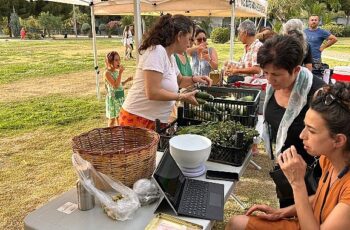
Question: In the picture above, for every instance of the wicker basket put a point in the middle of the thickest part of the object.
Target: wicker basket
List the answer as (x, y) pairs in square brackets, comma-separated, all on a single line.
[(125, 153)]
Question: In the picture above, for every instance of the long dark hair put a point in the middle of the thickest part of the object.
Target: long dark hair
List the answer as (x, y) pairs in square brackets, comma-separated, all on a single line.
[(165, 30), (333, 103)]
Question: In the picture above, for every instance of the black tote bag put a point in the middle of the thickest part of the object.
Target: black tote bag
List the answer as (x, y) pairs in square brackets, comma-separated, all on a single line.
[(284, 189)]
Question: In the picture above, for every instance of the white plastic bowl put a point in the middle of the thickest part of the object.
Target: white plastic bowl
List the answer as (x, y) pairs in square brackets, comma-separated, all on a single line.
[(190, 150)]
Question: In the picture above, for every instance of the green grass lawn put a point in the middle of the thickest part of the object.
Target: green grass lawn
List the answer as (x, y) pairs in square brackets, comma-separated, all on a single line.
[(47, 95)]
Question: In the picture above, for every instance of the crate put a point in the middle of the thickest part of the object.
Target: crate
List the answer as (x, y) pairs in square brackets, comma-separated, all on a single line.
[(229, 155), (170, 130), (226, 155), (223, 108)]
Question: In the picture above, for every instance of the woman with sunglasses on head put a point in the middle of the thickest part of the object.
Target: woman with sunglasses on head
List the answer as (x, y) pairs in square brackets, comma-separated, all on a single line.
[(204, 58), (288, 95), (157, 79), (327, 135)]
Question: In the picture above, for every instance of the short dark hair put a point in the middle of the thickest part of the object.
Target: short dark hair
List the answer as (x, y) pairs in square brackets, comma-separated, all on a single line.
[(336, 114), (198, 31), (165, 31), (282, 51)]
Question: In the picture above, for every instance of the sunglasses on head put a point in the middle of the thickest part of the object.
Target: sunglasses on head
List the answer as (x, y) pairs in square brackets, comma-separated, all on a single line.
[(329, 98), (201, 39)]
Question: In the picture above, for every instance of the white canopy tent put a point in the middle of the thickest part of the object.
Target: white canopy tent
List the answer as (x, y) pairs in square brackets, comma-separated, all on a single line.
[(213, 8)]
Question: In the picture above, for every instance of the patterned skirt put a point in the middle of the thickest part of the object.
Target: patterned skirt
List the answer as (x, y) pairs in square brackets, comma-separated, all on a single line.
[(128, 119)]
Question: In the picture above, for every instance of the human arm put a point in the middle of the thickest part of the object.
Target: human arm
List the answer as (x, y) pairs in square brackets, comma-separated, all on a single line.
[(198, 48), (190, 80), (211, 58), (330, 41), (294, 168), (109, 78), (154, 90), (249, 70), (127, 80), (272, 214)]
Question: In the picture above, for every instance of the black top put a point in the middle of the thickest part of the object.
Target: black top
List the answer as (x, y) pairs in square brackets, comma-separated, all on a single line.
[(273, 117), (308, 56)]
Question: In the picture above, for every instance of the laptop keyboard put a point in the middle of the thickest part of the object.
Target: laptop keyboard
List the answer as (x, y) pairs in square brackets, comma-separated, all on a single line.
[(195, 199)]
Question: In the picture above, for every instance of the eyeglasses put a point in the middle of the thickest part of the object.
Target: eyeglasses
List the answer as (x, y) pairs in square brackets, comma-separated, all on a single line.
[(330, 98), (201, 39)]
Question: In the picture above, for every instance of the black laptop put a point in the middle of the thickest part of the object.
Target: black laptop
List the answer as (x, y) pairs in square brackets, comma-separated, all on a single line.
[(189, 197)]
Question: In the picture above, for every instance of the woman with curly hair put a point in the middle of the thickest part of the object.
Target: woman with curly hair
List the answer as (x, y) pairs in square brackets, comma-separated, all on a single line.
[(157, 79)]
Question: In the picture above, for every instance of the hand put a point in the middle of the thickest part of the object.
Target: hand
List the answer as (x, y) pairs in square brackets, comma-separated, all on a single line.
[(201, 47), (127, 80), (293, 166), (121, 69), (205, 55), (269, 213), (202, 79), (189, 97), (232, 71)]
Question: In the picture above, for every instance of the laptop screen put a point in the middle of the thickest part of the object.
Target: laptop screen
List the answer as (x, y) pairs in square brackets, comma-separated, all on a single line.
[(170, 179)]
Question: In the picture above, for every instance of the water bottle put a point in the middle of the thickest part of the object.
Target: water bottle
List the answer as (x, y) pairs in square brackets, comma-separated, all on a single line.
[(86, 201)]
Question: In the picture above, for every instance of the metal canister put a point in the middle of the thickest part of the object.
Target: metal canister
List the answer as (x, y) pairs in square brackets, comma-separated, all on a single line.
[(86, 201)]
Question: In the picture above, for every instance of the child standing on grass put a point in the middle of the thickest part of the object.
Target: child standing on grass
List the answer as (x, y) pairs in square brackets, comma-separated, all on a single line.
[(114, 87)]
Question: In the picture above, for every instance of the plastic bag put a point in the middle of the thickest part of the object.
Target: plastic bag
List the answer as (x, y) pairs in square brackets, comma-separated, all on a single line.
[(146, 191), (109, 190)]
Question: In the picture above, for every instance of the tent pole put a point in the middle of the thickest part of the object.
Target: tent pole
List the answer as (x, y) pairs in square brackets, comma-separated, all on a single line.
[(138, 34), (232, 35), (265, 21), (97, 71)]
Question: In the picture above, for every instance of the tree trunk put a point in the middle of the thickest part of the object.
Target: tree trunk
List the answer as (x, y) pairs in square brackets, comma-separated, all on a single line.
[(8, 26)]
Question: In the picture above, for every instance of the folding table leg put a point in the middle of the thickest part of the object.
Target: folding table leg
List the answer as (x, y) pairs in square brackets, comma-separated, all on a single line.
[(239, 202), (255, 165)]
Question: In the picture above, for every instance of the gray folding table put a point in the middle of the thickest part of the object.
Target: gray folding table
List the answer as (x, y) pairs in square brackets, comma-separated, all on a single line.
[(48, 217)]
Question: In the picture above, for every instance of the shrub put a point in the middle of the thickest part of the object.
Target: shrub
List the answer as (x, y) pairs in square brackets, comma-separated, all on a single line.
[(112, 26), (336, 30), (102, 27), (35, 36), (86, 28), (30, 35), (346, 32), (220, 35)]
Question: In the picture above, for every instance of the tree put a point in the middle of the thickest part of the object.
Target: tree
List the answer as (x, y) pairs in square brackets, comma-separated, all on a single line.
[(127, 20), (49, 22), (284, 9), (111, 26), (205, 25), (149, 21), (345, 6), (14, 24), (31, 24), (6, 9)]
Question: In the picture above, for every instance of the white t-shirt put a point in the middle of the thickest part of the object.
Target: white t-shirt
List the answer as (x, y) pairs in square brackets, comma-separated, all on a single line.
[(156, 59)]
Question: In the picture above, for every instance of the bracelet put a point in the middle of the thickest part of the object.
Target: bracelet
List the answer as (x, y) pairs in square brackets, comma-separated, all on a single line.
[(179, 97)]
